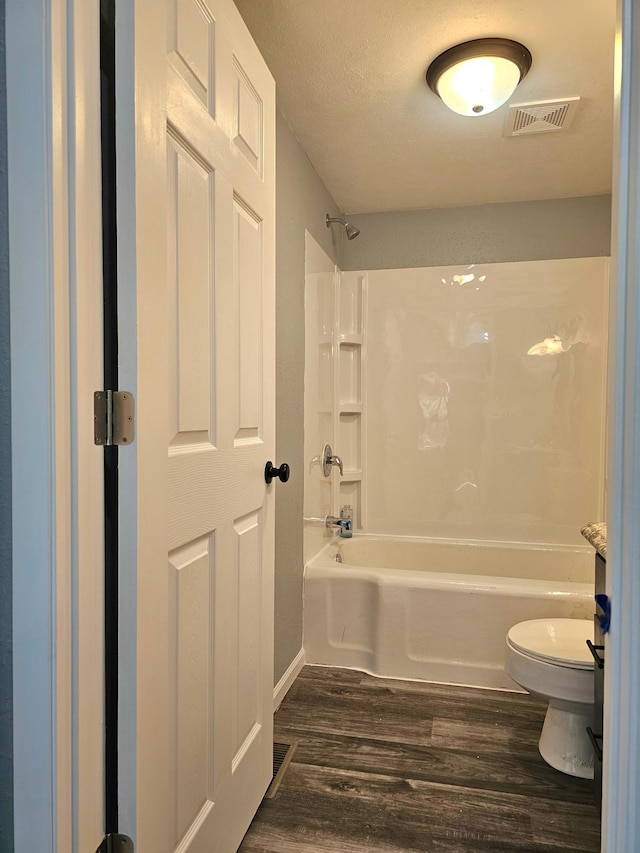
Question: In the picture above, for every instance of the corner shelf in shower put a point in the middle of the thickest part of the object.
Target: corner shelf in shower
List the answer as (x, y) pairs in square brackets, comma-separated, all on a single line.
[(349, 392), (350, 440), (349, 375), (350, 493)]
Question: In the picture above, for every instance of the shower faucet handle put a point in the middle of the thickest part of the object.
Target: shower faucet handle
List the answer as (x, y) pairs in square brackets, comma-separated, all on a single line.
[(336, 460), (328, 459)]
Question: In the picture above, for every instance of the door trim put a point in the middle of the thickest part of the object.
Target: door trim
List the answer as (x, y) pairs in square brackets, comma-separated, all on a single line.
[(621, 771), (40, 406), (54, 242)]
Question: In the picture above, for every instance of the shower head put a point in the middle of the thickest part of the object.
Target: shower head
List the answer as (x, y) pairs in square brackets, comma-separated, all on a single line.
[(352, 231)]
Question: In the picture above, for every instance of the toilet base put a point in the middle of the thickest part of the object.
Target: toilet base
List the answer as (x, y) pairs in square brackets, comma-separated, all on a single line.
[(564, 742)]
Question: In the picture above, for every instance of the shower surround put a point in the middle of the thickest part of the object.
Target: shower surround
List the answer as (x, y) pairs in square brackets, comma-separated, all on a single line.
[(485, 400), (479, 422)]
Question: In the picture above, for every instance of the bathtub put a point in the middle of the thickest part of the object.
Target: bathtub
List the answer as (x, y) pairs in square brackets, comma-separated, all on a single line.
[(433, 610)]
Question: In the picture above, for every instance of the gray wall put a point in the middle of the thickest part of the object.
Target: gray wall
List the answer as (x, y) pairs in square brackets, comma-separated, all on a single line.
[(6, 692), (489, 233), (302, 201)]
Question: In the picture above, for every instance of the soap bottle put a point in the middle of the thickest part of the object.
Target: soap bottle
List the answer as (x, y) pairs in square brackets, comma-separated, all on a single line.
[(346, 512)]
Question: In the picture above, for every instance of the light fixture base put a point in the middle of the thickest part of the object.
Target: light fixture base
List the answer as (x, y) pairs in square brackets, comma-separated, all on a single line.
[(443, 74)]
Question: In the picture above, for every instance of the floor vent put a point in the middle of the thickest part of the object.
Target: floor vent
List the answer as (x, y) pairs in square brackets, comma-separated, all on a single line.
[(540, 116), (282, 754)]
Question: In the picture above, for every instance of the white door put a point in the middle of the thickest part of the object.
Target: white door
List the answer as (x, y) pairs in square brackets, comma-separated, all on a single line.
[(196, 207)]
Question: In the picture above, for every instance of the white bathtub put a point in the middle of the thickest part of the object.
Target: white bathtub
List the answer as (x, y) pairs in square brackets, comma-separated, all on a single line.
[(433, 610)]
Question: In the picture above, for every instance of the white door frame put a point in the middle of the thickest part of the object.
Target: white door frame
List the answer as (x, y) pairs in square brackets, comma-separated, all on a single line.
[(621, 777), (51, 251), (53, 117)]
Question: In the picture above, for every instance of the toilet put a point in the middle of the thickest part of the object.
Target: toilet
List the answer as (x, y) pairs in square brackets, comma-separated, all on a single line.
[(551, 660)]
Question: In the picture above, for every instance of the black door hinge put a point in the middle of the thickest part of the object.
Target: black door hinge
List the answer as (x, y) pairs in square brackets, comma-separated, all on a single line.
[(116, 843)]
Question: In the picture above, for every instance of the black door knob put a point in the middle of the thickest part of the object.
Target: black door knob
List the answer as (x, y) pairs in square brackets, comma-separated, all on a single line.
[(282, 472)]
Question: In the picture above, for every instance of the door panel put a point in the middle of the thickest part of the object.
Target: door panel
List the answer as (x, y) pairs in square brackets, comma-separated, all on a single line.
[(248, 532), (247, 131), (191, 47), (248, 286), (207, 383), (190, 570), (190, 195)]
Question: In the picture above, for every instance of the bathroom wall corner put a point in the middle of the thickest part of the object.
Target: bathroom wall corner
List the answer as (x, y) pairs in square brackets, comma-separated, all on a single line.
[(302, 201)]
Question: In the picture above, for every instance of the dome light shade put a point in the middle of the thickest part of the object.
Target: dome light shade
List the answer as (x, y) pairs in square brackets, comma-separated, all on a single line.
[(476, 77)]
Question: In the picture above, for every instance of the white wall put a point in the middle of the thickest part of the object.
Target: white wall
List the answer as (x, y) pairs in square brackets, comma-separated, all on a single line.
[(468, 435)]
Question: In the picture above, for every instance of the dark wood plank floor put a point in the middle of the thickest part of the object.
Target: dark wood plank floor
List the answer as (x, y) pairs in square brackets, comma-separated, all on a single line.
[(398, 766)]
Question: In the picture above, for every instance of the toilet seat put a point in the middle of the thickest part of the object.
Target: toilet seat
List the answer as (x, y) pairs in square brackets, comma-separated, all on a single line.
[(561, 642)]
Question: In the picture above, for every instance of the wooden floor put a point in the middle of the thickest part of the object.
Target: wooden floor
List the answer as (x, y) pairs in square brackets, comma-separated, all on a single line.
[(394, 766)]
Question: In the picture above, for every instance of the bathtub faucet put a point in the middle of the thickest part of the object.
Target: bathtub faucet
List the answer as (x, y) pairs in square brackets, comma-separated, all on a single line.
[(328, 459), (345, 524)]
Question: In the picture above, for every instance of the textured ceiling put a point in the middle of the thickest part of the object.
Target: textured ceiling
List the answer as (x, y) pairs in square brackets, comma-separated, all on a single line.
[(350, 83)]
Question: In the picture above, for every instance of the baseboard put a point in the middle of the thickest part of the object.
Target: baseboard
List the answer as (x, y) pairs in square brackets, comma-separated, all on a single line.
[(282, 687)]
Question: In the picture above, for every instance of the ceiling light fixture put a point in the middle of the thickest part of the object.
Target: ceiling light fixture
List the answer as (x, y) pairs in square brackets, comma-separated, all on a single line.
[(476, 77)]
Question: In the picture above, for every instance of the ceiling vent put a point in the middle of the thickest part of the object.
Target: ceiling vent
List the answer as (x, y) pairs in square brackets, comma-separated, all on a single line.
[(540, 116)]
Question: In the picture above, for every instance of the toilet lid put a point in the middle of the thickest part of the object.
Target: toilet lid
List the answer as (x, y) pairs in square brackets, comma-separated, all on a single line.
[(563, 641)]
